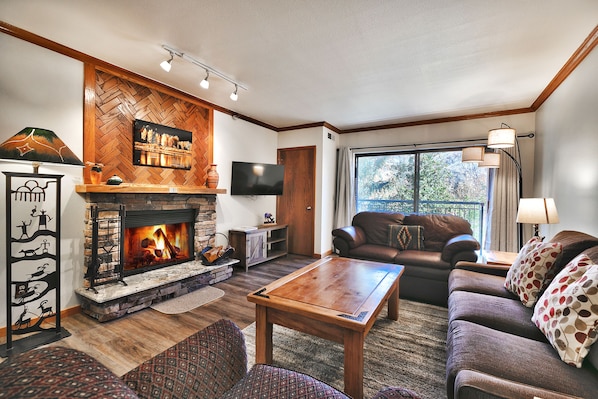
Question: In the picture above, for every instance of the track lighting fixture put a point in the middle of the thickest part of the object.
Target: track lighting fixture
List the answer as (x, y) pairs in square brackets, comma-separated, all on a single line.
[(234, 96), (205, 83), (209, 70), (167, 64)]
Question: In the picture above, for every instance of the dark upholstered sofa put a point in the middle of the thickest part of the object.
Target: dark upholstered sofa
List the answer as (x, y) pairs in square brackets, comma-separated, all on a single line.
[(209, 364), (494, 350), (447, 239)]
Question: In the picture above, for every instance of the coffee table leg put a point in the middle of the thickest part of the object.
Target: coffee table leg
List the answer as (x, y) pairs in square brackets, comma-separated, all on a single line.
[(354, 364), (263, 336), (393, 304)]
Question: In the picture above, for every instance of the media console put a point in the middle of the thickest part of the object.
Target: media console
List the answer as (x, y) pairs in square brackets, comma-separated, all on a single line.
[(262, 244)]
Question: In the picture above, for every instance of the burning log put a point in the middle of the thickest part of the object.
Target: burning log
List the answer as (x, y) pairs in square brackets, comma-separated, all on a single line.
[(161, 237)]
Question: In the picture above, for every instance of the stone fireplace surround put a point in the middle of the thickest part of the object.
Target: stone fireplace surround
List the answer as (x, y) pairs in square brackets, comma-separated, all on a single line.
[(114, 300)]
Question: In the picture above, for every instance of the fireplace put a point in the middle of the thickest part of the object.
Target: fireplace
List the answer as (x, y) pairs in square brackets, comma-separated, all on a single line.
[(154, 239), (157, 230), (186, 220)]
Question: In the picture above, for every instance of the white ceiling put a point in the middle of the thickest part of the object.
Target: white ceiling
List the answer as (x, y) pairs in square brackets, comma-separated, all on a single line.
[(351, 63)]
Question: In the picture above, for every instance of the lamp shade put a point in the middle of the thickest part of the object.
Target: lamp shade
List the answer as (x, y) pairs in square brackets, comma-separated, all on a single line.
[(501, 138), (38, 145), (472, 154), (491, 160), (537, 211)]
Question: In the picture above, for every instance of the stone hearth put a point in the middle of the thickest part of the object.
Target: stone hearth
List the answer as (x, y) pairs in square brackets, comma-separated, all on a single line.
[(115, 300)]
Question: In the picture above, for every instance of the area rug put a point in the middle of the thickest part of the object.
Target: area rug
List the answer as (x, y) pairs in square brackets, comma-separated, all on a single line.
[(190, 301), (409, 352)]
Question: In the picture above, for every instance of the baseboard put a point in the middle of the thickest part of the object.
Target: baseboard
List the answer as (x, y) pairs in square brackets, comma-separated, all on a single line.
[(63, 313)]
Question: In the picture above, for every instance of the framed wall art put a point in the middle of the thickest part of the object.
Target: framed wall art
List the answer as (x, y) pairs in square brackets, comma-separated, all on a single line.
[(162, 146)]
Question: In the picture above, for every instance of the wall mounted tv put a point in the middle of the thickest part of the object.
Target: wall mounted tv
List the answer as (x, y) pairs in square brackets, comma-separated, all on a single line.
[(256, 179)]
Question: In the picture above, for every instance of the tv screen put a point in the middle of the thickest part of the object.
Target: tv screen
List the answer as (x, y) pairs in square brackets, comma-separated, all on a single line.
[(256, 179)]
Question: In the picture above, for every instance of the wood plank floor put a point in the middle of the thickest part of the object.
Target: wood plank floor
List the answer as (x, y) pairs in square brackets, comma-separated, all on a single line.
[(124, 343)]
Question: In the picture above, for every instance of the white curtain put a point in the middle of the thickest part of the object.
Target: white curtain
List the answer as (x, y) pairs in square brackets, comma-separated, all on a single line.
[(504, 199), (345, 200)]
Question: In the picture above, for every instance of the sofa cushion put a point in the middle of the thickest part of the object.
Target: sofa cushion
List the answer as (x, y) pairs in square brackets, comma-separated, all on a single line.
[(381, 253), (265, 381), (467, 280), (56, 372), (567, 312), (375, 225), (471, 346), (495, 312), (526, 276), (406, 237), (424, 259), (574, 243), (439, 228)]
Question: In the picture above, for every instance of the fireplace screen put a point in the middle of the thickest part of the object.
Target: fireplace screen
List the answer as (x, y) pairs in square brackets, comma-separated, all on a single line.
[(157, 239)]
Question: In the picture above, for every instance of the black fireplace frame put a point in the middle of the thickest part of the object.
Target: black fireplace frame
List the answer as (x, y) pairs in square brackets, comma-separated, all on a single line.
[(142, 218)]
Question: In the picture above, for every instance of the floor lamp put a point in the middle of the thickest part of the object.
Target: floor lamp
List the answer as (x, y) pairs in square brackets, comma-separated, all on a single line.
[(33, 240), (499, 139)]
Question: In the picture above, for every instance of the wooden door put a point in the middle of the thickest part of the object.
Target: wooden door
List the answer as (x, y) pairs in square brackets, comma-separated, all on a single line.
[(295, 206)]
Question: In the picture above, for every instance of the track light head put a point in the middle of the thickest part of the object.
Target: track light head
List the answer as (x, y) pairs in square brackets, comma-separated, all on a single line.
[(234, 96), (205, 83), (167, 64)]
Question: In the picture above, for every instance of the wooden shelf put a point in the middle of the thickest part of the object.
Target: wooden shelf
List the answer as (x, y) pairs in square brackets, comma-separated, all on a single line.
[(265, 243), (128, 188)]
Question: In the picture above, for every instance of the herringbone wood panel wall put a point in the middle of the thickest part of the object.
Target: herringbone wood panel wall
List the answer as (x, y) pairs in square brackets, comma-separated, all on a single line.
[(118, 103)]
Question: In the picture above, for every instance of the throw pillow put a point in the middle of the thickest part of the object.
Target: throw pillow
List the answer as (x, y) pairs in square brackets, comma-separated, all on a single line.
[(406, 237), (525, 277), (567, 312)]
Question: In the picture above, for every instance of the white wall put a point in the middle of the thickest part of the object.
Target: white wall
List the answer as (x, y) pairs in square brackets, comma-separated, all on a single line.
[(238, 140), (40, 88), (567, 150)]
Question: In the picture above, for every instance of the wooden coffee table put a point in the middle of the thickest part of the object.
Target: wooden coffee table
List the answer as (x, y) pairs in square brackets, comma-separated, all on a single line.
[(337, 299)]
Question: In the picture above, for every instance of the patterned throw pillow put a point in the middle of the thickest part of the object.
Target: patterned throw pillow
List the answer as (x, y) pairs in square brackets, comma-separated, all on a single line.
[(525, 277), (567, 312), (406, 237)]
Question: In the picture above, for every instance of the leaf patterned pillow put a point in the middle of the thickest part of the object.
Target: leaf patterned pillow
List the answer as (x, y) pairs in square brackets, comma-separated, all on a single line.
[(567, 312), (525, 277)]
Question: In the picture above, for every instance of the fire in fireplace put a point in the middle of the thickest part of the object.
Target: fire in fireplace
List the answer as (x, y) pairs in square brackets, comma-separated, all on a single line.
[(154, 239)]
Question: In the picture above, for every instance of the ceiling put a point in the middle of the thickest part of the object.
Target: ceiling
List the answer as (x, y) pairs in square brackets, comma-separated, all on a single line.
[(351, 63)]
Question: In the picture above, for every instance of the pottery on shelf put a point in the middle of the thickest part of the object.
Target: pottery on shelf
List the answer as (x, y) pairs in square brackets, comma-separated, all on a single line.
[(213, 177), (114, 180)]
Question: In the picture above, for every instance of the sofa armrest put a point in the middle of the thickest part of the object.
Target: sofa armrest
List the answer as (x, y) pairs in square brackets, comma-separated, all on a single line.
[(464, 245), (59, 372), (471, 384), (496, 270), (215, 354), (348, 237)]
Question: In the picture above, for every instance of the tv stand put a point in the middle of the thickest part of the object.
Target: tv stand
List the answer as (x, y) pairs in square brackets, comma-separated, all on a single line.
[(267, 242)]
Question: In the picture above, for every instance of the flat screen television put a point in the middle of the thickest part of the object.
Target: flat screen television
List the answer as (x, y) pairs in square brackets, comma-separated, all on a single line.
[(250, 178)]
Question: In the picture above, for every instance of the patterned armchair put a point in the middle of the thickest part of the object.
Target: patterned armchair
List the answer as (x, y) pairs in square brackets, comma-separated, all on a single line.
[(211, 363)]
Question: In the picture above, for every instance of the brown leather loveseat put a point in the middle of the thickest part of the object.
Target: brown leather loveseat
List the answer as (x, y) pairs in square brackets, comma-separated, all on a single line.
[(427, 245)]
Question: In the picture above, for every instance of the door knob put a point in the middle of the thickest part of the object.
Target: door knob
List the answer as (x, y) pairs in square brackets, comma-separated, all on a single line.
[(308, 208)]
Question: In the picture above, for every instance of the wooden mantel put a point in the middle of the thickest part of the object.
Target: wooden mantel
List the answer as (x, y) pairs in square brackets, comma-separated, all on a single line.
[(131, 188)]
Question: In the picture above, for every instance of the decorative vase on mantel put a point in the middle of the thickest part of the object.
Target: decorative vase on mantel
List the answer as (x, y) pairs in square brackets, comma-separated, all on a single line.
[(213, 177), (95, 172)]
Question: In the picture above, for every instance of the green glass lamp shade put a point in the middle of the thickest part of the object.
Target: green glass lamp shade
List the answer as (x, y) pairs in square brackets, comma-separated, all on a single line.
[(38, 145)]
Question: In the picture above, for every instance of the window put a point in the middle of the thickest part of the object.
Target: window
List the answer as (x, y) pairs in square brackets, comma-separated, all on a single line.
[(424, 182)]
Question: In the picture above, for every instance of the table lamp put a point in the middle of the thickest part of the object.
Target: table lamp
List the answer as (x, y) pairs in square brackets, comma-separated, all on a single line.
[(536, 211), (38, 146)]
